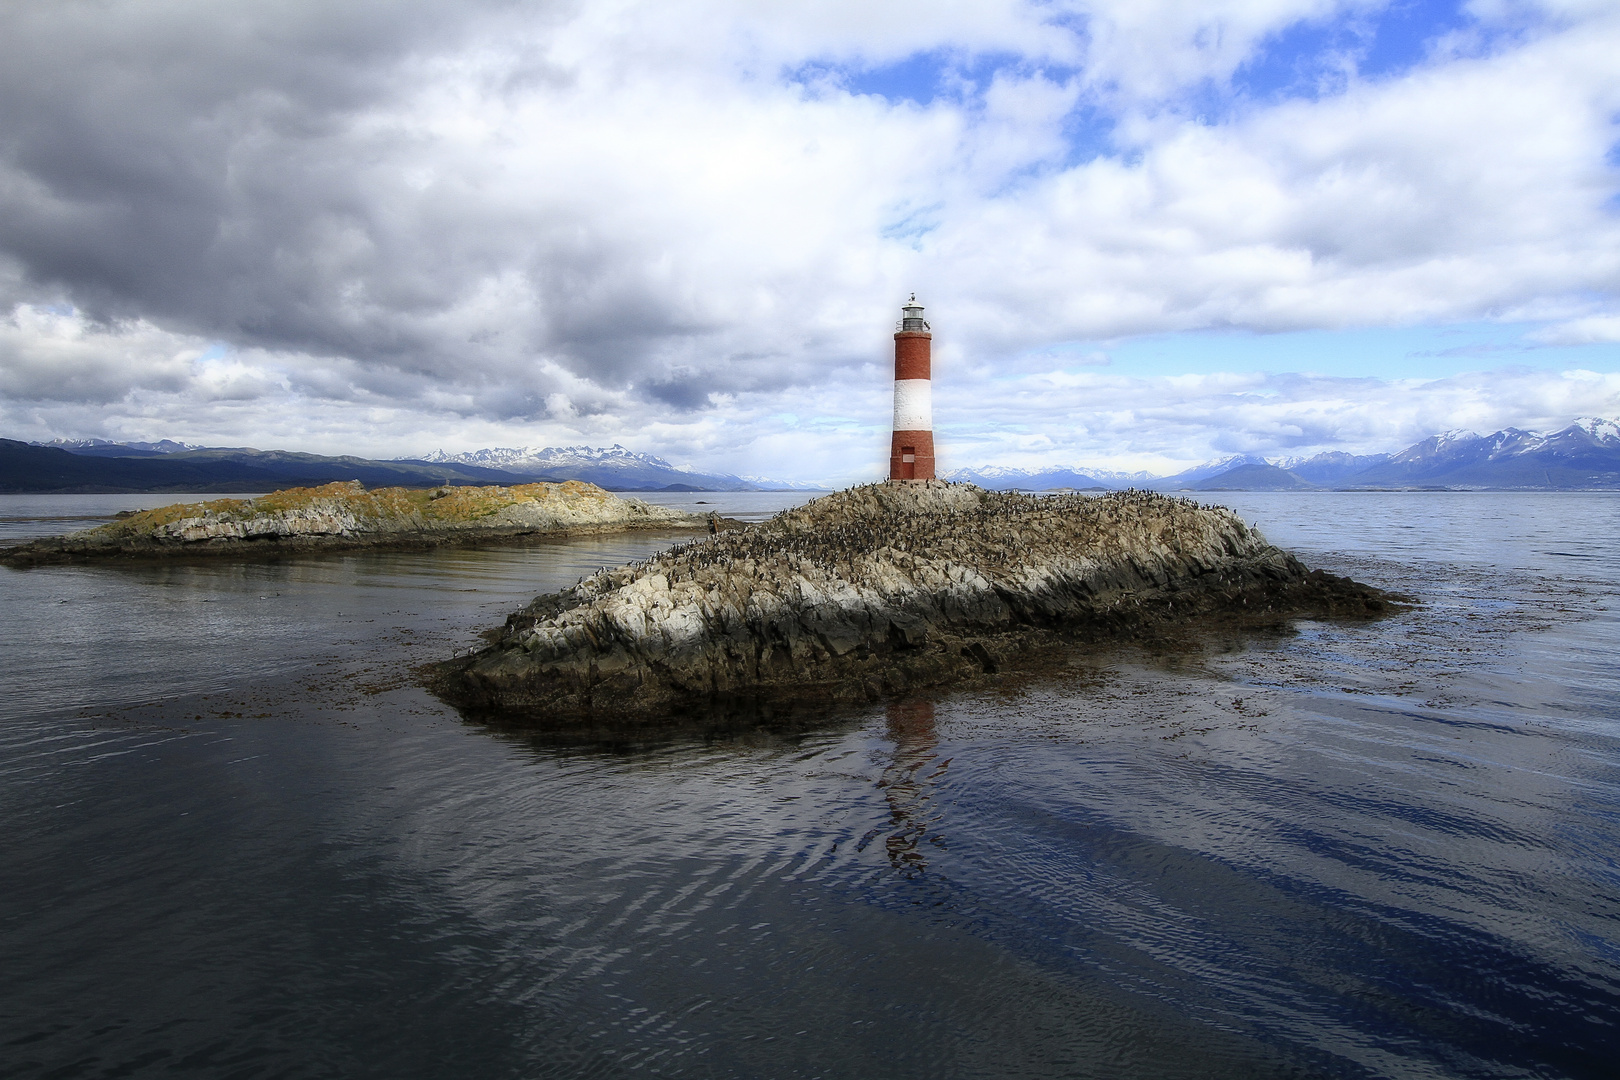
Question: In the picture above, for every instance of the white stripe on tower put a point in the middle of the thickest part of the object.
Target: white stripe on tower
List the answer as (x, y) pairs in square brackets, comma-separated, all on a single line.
[(913, 405)]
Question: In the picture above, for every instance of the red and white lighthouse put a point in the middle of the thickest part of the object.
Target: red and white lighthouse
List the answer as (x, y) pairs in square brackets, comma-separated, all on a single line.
[(911, 456)]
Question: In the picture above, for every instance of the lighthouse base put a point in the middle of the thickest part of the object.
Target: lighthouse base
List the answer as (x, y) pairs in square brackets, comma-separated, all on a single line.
[(911, 456)]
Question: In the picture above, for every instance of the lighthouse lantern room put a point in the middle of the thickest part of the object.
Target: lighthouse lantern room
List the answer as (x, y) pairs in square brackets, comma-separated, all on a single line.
[(911, 455)]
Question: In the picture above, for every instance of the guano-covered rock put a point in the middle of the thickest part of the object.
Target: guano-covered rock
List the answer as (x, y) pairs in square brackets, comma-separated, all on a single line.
[(880, 589)]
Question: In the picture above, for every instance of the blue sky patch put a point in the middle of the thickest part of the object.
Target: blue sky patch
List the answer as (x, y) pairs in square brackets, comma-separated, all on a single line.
[(925, 77), (1409, 352), (911, 224), (1309, 58)]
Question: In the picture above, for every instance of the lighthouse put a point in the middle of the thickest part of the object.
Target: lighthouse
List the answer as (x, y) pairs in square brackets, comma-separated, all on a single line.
[(911, 455)]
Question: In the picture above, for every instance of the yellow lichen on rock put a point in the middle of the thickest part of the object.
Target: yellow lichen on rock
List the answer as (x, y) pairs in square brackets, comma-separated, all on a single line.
[(145, 521), (346, 514)]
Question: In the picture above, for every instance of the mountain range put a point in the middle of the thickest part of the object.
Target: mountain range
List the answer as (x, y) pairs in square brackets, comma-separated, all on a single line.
[(105, 467), (614, 468), (1584, 455), (97, 465)]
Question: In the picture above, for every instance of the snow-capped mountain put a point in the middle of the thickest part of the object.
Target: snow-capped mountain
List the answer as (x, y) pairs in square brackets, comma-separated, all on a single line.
[(1003, 478), (614, 468), (108, 448), (1189, 478), (1602, 432), (1586, 454), (1331, 468), (1322, 470), (1115, 478), (1253, 477), (531, 459), (766, 483)]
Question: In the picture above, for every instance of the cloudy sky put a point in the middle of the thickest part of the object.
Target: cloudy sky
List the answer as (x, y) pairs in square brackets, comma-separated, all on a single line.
[(1148, 232)]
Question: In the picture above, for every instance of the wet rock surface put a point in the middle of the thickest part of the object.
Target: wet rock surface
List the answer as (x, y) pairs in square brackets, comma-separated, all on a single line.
[(880, 590), (345, 516)]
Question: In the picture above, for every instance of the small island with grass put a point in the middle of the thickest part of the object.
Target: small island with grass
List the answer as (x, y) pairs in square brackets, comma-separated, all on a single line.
[(883, 589), (345, 516)]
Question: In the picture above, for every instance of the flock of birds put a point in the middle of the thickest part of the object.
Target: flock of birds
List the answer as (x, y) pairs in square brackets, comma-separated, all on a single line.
[(840, 535)]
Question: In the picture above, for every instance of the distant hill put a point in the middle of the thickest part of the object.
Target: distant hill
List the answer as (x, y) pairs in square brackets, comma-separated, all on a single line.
[(1247, 472), (1332, 468), (99, 468), (1189, 479), (1584, 455), (108, 448), (998, 478), (99, 465), (614, 468), (1252, 477)]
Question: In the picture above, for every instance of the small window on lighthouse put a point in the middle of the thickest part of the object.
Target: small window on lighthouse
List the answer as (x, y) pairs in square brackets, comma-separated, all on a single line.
[(908, 453)]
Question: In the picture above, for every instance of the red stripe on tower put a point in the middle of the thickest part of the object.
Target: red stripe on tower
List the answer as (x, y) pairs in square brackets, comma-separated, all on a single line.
[(911, 455)]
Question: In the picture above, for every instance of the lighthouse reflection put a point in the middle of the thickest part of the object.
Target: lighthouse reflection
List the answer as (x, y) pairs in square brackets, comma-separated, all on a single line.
[(908, 782)]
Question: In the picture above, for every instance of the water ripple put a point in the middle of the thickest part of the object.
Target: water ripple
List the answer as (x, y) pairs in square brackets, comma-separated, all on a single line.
[(240, 840)]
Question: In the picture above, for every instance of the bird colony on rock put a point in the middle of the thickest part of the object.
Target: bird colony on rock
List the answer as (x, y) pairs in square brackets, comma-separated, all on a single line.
[(876, 590)]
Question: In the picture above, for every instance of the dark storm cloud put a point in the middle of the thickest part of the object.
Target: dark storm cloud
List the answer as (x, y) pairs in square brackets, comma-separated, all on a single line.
[(415, 189), (128, 126), (201, 165)]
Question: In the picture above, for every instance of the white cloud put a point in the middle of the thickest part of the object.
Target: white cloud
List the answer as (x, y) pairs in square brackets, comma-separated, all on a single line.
[(1083, 414), (54, 355), (1149, 49), (1594, 329), (656, 224), (1170, 422)]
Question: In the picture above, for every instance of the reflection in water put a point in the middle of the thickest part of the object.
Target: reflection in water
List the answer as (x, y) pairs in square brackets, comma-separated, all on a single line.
[(906, 787), (240, 840)]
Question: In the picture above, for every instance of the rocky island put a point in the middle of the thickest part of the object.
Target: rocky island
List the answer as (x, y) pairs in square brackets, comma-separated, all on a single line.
[(882, 589), (345, 516)]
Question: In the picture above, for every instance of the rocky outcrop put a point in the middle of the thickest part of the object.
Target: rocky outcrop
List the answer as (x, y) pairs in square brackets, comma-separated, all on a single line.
[(345, 515), (880, 589)]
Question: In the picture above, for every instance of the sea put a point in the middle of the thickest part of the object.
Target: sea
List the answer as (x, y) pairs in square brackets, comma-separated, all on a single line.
[(238, 839)]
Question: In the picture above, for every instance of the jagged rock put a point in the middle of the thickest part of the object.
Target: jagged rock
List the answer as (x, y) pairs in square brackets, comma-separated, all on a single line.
[(342, 516), (882, 588)]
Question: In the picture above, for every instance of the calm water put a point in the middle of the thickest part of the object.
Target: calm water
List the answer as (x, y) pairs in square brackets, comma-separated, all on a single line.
[(238, 841)]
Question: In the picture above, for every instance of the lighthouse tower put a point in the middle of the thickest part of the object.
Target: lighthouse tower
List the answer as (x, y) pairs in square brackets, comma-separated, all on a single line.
[(911, 456)]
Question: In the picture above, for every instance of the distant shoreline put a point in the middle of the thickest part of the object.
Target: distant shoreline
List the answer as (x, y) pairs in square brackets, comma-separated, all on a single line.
[(347, 517), (1584, 456)]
